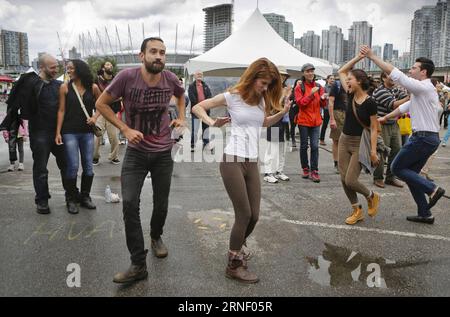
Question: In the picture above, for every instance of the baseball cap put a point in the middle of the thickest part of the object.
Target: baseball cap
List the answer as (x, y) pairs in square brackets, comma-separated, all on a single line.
[(307, 66)]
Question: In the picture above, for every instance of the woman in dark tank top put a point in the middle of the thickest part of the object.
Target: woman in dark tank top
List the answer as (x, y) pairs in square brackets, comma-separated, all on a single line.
[(74, 131), (358, 85)]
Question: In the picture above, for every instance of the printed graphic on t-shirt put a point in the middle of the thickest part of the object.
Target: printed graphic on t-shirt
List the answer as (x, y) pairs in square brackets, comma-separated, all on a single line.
[(147, 109)]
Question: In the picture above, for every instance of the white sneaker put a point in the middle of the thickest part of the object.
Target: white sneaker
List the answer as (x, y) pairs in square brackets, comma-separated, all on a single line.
[(20, 168), (281, 176), (11, 168), (270, 179), (444, 144)]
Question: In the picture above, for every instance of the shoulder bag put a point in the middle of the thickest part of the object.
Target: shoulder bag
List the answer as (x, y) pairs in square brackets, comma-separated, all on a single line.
[(96, 129)]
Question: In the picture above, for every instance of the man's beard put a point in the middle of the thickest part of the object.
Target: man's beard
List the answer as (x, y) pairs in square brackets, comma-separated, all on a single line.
[(108, 71), (49, 75), (155, 67)]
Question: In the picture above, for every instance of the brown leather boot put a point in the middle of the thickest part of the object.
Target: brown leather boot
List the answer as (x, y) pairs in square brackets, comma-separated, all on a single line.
[(236, 270), (159, 248), (133, 274)]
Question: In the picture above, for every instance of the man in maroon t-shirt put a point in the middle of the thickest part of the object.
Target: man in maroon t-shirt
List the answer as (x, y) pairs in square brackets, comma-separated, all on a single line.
[(146, 93)]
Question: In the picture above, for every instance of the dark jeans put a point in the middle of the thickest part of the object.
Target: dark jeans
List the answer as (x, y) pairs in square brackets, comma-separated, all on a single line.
[(195, 125), (311, 134), (292, 127), (76, 145), (287, 133), (408, 164), (42, 143), (15, 144), (326, 119), (135, 167), (444, 116)]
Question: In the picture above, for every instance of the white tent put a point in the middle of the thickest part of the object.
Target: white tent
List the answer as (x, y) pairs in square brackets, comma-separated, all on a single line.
[(30, 70), (255, 39)]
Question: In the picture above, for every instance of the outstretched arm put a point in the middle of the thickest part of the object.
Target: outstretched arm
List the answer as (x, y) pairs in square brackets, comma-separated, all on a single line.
[(385, 67), (200, 110)]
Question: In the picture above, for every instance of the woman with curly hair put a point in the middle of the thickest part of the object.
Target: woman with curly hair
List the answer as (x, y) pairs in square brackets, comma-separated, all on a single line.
[(75, 131), (249, 104)]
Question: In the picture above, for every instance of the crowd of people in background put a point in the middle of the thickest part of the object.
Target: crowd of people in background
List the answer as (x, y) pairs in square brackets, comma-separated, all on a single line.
[(396, 122)]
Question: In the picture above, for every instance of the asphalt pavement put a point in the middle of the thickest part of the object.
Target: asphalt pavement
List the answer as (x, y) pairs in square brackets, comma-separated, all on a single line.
[(301, 245)]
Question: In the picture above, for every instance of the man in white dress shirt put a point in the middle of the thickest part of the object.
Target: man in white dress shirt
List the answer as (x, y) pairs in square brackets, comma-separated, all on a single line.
[(423, 107)]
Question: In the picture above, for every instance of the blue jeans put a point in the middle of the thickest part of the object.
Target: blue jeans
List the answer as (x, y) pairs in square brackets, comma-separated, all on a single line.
[(76, 144), (42, 143), (311, 134), (135, 168), (447, 135), (408, 164)]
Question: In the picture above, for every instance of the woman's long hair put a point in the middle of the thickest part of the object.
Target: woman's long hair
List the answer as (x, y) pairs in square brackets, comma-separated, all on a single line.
[(83, 73), (261, 68), (366, 82)]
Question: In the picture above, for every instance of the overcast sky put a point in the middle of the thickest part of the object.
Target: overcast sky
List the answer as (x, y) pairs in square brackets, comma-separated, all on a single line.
[(41, 19)]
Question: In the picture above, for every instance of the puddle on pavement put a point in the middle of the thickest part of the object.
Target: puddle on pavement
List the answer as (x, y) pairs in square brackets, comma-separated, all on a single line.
[(338, 266)]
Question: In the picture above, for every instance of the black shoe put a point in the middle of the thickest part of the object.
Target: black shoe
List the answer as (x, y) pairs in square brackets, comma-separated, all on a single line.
[(133, 274), (42, 208), (438, 195), (115, 161), (95, 162), (428, 220), (86, 202), (159, 249), (72, 207)]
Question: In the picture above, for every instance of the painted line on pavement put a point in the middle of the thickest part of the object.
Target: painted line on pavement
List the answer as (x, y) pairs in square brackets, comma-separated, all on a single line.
[(395, 233), (342, 227)]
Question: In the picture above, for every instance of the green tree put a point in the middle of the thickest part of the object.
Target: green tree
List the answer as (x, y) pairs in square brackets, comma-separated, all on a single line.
[(95, 62)]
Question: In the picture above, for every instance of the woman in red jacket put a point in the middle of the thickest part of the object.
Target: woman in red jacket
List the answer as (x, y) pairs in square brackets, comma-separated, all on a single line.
[(310, 97)]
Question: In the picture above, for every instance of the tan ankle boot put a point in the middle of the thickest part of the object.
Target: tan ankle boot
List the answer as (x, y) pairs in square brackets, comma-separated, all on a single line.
[(373, 203), (356, 216), (236, 270)]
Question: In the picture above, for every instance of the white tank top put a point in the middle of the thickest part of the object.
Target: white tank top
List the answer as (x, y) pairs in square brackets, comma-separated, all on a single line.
[(246, 124)]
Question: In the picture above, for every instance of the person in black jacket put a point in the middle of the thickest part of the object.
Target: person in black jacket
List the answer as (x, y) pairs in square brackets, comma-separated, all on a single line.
[(36, 98), (198, 91)]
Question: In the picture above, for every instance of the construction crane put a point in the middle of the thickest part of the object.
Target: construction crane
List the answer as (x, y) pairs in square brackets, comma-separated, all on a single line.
[(61, 51)]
